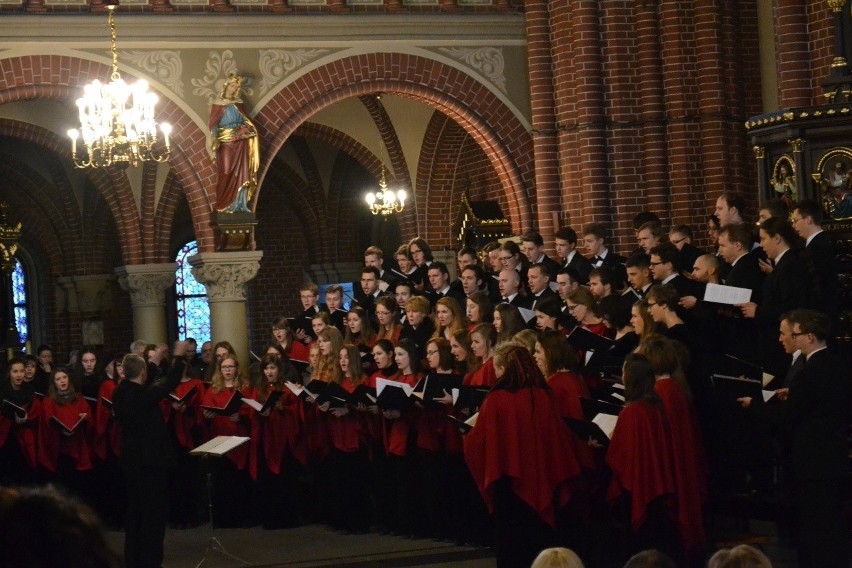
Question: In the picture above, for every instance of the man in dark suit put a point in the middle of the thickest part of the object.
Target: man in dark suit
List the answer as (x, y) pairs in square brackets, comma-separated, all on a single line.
[(369, 292), (681, 237), (665, 270), (512, 258), (439, 282), (807, 221), (817, 411), (599, 255), (735, 243), (302, 328), (472, 279), (538, 277), (334, 302), (374, 256), (464, 258), (565, 243), (147, 456), (510, 288), (533, 246)]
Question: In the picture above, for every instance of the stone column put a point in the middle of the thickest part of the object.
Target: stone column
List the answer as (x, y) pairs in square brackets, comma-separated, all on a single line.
[(225, 275), (147, 284), (90, 298)]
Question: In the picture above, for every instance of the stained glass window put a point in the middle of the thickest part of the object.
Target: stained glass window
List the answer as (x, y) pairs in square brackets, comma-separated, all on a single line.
[(193, 311), (19, 301)]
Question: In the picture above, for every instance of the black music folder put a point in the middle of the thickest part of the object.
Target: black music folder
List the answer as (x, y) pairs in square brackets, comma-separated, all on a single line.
[(11, 410), (68, 428), (270, 401), (592, 407), (582, 338), (464, 426), (732, 388), (187, 396), (231, 407), (433, 385)]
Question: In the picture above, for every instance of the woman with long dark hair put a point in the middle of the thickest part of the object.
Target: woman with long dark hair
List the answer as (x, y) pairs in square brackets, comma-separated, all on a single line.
[(18, 429)]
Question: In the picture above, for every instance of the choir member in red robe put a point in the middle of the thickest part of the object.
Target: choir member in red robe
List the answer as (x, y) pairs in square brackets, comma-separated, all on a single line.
[(383, 355), (282, 456), (690, 466), (522, 458), (66, 453), (182, 412), (18, 431), (640, 457), (349, 503), (481, 370), (231, 473), (106, 445)]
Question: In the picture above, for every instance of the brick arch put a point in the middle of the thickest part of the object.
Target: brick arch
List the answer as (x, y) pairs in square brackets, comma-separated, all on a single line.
[(488, 121), (59, 77), (306, 208), (164, 218), (43, 224), (390, 140)]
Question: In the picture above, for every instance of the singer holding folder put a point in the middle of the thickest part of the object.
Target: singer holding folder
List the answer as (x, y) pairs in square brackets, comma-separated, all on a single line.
[(147, 456)]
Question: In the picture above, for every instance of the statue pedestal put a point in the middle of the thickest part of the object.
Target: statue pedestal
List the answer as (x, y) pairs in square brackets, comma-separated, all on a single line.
[(233, 231)]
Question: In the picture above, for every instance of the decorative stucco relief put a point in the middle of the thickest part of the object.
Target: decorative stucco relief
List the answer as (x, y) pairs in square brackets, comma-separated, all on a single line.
[(276, 64), (489, 61), (166, 66)]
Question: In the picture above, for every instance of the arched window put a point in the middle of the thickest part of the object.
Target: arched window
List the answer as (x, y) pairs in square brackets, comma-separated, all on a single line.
[(19, 302), (193, 311)]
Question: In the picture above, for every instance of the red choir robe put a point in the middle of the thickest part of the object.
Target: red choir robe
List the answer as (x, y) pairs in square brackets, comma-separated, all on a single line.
[(281, 432), (520, 435), (690, 473), (567, 389), (484, 376), (26, 434), (52, 442), (224, 426), (639, 455), (183, 423), (396, 431), (107, 437), (347, 431)]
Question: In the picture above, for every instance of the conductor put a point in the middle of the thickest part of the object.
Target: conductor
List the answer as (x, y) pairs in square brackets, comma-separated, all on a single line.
[(147, 456)]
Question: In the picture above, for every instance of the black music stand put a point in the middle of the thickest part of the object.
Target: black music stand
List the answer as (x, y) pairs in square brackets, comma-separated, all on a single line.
[(217, 448)]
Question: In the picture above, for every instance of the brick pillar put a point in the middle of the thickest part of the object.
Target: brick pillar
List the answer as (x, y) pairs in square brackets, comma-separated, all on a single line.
[(793, 52), (545, 144), (652, 108), (589, 96), (684, 151), (711, 95)]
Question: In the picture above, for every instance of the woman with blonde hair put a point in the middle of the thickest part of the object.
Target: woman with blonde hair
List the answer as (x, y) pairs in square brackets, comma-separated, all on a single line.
[(557, 558), (448, 317)]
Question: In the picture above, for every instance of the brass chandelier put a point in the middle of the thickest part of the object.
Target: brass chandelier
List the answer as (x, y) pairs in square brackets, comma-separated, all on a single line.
[(117, 123), (385, 201)]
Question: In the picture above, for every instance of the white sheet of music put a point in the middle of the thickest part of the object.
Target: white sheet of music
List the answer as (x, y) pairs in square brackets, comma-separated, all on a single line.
[(726, 294), (220, 445), (382, 383), (606, 422)]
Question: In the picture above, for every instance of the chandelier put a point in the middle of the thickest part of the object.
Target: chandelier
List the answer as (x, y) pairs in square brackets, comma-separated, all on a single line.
[(117, 120), (385, 201)]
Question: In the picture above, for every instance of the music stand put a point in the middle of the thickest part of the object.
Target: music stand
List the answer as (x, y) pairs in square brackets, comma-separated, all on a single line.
[(217, 447)]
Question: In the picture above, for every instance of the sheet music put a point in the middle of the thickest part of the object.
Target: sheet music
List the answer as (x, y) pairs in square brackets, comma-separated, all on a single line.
[(472, 420), (294, 388), (726, 294), (253, 403), (382, 383), (618, 396), (220, 445), (767, 378), (767, 395), (554, 286), (606, 422), (528, 315), (383, 286)]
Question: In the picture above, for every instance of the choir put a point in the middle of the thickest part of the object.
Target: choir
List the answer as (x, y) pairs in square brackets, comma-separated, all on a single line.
[(531, 403)]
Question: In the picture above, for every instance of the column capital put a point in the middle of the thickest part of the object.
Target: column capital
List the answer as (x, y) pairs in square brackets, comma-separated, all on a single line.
[(89, 295), (225, 274), (146, 282)]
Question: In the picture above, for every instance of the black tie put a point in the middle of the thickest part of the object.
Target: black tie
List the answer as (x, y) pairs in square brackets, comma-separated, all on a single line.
[(505, 299)]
